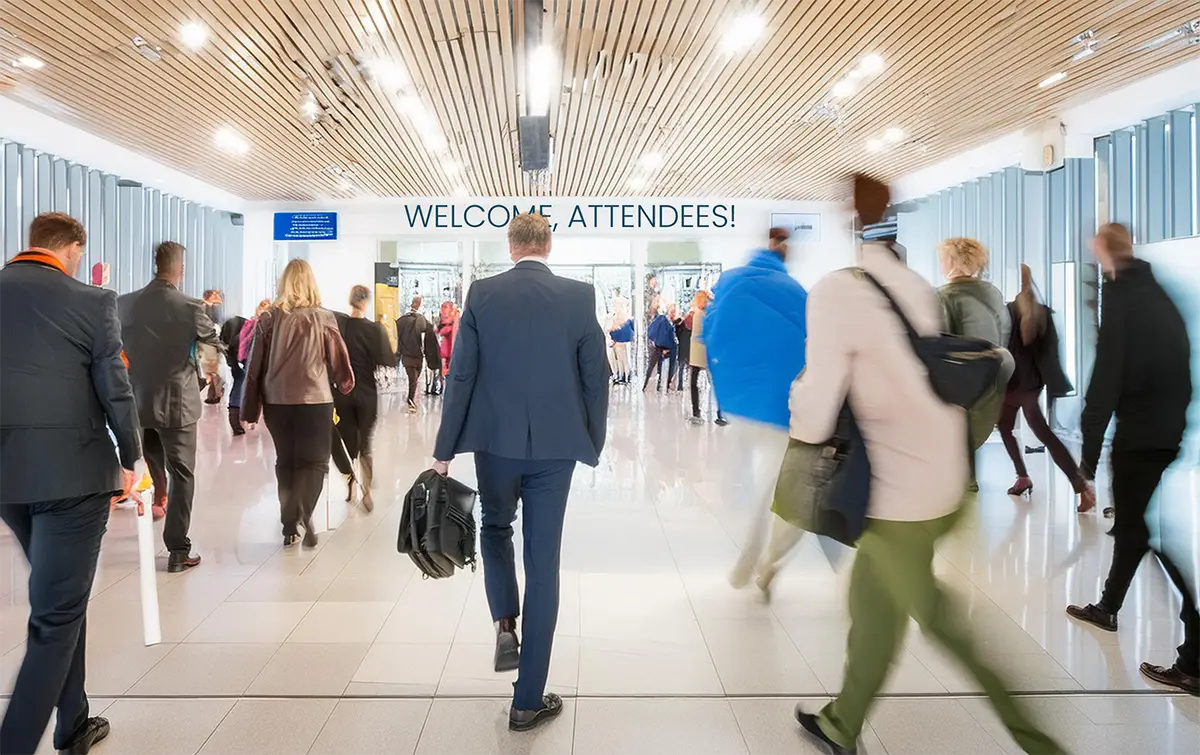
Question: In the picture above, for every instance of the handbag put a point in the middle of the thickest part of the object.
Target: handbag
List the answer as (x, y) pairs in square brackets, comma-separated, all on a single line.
[(825, 488), (437, 525)]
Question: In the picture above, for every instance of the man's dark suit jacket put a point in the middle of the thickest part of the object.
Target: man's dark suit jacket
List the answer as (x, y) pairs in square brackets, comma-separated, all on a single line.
[(529, 377), (62, 386), (161, 327)]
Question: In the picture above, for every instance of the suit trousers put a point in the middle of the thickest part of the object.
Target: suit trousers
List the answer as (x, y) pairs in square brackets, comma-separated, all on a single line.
[(302, 434), (1135, 477), (171, 456), (61, 540), (357, 414), (542, 487)]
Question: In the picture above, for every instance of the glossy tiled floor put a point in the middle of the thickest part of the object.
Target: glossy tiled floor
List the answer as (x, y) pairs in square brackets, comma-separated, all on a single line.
[(346, 649)]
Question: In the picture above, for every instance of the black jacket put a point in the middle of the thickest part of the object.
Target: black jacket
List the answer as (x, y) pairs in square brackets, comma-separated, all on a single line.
[(413, 332), (1142, 371), (231, 336), (1036, 365), (64, 386)]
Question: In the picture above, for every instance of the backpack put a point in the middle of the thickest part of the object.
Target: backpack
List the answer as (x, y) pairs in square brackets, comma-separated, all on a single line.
[(961, 370), (437, 525)]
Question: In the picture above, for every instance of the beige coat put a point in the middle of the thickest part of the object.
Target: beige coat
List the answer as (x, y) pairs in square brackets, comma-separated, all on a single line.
[(698, 356)]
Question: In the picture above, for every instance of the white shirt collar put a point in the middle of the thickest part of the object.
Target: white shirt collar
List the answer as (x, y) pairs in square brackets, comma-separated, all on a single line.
[(533, 258)]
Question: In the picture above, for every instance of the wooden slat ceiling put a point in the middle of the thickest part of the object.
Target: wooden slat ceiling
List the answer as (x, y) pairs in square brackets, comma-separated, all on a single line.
[(635, 76)]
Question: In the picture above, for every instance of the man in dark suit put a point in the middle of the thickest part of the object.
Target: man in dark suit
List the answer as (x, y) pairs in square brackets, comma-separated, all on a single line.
[(528, 395), (65, 387), (162, 329)]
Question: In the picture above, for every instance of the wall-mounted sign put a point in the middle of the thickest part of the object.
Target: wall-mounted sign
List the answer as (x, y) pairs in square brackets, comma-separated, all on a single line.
[(605, 216), (805, 227), (306, 226)]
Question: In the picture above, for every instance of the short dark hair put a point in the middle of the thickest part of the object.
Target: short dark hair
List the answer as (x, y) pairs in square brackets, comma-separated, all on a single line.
[(55, 230), (359, 295), (168, 256)]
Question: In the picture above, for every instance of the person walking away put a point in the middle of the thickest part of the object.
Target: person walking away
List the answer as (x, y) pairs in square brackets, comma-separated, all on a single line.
[(231, 334), (297, 359), (162, 328), (663, 346), (1143, 375), (859, 351), (754, 332), (210, 358), (411, 331), (528, 414), (65, 388), (683, 336), (246, 337), (446, 332), (698, 355), (975, 308), (621, 335), (368, 349), (1033, 344)]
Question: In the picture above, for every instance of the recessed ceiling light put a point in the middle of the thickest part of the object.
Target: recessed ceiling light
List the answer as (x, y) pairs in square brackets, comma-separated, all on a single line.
[(844, 88), (652, 160), (193, 35), (1052, 79), (743, 32), (309, 109), (872, 64), (894, 135), (434, 140), (387, 73), (637, 183), (875, 145), (461, 191), (30, 62), (229, 140), (345, 186), (451, 167)]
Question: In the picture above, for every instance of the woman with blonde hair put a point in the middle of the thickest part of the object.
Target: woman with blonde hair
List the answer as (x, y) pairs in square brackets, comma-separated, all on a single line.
[(975, 308), (1034, 347), (698, 357), (298, 354)]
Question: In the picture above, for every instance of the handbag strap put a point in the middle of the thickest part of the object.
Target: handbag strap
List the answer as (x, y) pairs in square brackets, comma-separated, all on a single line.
[(913, 336)]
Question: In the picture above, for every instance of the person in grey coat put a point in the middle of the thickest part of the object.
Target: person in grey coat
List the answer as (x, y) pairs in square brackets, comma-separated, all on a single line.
[(65, 388), (162, 329)]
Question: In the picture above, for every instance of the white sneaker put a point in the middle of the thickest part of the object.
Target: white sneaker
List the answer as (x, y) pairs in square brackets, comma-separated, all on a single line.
[(742, 572)]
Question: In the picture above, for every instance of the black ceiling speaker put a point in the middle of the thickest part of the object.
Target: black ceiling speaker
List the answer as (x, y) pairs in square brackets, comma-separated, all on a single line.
[(533, 132)]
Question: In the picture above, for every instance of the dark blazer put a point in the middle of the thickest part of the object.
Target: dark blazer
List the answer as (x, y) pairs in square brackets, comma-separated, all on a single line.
[(529, 374), (161, 327), (1036, 365), (64, 387), (1143, 368)]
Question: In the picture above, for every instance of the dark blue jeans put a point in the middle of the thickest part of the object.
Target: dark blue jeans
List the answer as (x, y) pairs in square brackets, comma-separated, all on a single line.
[(61, 540), (542, 487)]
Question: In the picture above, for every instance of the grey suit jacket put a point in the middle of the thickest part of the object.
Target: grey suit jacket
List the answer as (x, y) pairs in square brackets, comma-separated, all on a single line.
[(161, 327), (529, 375), (64, 386)]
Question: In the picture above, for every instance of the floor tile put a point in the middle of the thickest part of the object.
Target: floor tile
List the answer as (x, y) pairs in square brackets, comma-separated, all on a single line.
[(269, 727), (470, 670), (770, 728), (318, 669), (657, 727), (372, 726), (206, 669), (162, 727), (409, 669), (613, 667), (929, 727), (341, 622), (250, 622), (456, 727)]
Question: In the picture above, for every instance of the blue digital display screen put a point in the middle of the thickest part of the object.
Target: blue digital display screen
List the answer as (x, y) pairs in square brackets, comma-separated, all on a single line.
[(306, 226)]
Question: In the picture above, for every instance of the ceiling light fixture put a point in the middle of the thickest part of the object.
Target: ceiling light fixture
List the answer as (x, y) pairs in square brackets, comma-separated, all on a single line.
[(30, 62), (434, 140), (872, 64), (742, 33), (542, 67), (876, 145), (1052, 79), (309, 109), (193, 35), (229, 140), (451, 167), (461, 192), (894, 135), (844, 89), (652, 160), (637, 183)]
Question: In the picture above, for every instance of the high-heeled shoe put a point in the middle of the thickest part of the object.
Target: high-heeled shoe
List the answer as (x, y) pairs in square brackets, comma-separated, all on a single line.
[(1022, 487)]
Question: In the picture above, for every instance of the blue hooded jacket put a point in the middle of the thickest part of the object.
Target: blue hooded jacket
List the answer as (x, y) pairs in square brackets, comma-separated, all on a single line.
[(662, 333), (623, 334), (754, 331)]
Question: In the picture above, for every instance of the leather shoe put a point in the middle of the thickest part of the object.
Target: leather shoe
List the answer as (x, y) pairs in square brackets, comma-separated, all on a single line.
[(93, 730), (508, 647), (1172, 677), (1095, 616), (181, 561), (809, 722), (524, 720)]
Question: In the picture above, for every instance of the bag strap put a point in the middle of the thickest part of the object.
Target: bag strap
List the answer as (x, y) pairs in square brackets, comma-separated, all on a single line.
[(913, 336)]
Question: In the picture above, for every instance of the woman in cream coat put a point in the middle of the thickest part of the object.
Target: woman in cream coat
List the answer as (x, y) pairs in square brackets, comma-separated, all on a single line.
[(857, 349)]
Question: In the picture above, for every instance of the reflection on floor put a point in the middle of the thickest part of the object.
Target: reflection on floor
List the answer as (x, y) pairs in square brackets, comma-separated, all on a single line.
[(373, 658)]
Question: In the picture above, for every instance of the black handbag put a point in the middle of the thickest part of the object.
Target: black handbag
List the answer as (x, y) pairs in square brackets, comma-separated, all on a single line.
[(437, 525), (961, 370)]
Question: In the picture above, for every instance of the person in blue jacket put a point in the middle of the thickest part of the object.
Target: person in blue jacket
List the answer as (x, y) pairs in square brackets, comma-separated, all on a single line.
[(621, 337), (664, 344), (754, 331)]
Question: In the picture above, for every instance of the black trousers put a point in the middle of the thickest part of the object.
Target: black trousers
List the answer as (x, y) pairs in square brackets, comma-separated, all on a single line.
[(695, 390), (1027, 403), (414, 376), (357, 414), (61, 540), (302, 435), (1135, 477), (171, 456)]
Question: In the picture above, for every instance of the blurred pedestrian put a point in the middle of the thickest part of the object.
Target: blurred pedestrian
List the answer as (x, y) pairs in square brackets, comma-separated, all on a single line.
[(698, 355)]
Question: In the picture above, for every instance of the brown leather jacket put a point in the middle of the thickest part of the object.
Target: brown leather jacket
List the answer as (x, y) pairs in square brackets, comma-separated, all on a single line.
[(297, 356)]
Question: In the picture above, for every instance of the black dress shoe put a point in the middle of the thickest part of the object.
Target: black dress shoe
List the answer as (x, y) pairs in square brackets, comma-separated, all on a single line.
[(93, 730), (1172, 677), (508, 648), (1095, 616), (524, 720), (809, 722), (182, 561)]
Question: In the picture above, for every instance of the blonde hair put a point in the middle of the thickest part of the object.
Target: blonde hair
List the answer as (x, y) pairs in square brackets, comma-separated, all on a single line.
[(1031, 316), (1116, 240), (531, 232), (701, 300), (297, 287), (966, 255)]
